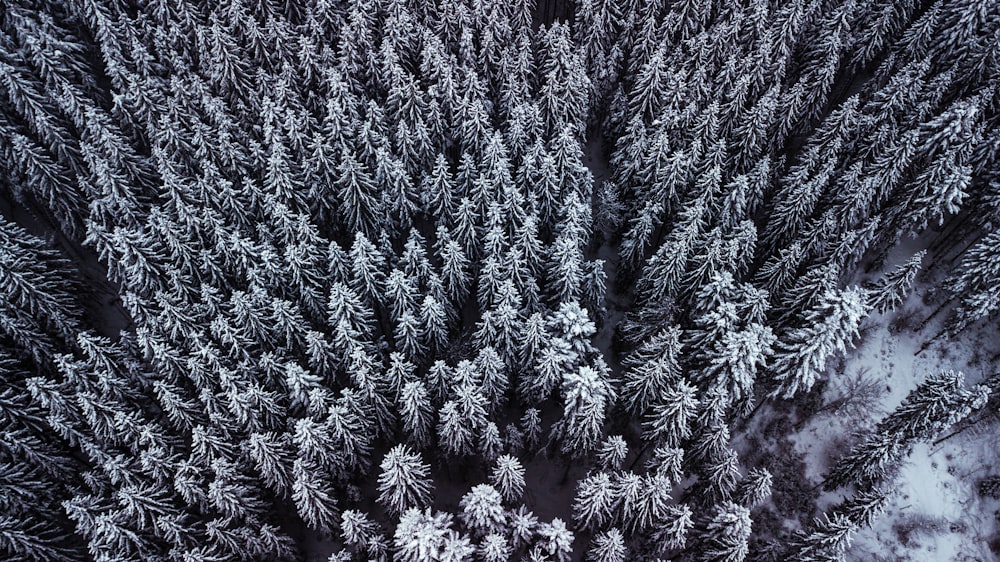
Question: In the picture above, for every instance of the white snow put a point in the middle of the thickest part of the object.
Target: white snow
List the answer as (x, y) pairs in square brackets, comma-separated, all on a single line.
[(935, 513)]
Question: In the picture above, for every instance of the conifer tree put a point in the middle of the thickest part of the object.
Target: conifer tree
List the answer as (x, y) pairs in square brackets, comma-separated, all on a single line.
[(608, 546), (724, 538), (651, 370), (801, 354), (612, 452), (555, 540), (421, 535), (482, 510), (890, 291), (361, 533), (416, 411), (935, 404), (587, 395), (595, 502), (313, 495), (404, 482), (671, 416), (507, 477)]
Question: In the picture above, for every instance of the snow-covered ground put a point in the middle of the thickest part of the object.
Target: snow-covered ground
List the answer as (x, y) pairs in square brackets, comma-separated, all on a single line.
[(935, 513)]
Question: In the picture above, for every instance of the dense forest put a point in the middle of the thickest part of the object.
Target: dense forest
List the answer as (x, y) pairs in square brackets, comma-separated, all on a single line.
[(286, 273)]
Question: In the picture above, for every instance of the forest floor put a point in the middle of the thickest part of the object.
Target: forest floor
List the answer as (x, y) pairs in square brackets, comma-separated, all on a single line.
[(935, 512)]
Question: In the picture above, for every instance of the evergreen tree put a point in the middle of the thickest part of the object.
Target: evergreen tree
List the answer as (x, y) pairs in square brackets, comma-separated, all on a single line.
[(587, 395), (725, 535), (651, 370), (670, 419), (608, 546), (612, 452), (555, 540), (313, 495), (356, 188), (454, 435), (801, 354), (482, 510), (890, 291), (935, 404), (404, 482), (421, 535), (755, 488), (507, 477), (416, 411), (595, 502), (361, 533)]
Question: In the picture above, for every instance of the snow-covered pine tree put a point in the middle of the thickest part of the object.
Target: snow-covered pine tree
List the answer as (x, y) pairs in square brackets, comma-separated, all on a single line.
[(482, 510), (421, 535), (587, 395), (404, 482), (507, 477), (755, 488), (416, 412), (612, 452), (362, 534), (669, 420), (608, 546), (890, 291), (724, 535), (555, 540), (801, 353), (938, 402), (313, 495), (594, 504), (651, 370)]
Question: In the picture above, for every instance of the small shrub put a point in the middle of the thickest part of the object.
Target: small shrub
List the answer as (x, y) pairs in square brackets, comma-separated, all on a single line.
[(990, 487)]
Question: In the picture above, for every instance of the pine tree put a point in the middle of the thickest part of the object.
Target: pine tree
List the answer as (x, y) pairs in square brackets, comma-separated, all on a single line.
[(531, 424), (672, 532), (735, 359), (671, 417), (361, 533), (973, 283), (367, 269), (801, 354), (827, 539), (416, 412), (356, 188), (755, 488), (482, 510), (409, 336), (891, 289), (313, 495), (565, 86), (608, 546), (421, 535), (507, 476), (404, 482), (555, 540), (587, 395), (935, 404), (612, 452), (490, 443), (273, 456), (595, 502), (454, 435), (726, 533), (454, 269), (495, 548)]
